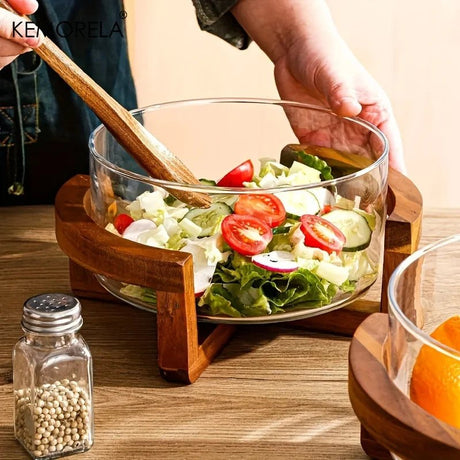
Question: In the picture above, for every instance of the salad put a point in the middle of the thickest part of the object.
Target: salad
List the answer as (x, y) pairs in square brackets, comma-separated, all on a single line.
[(262, 253)]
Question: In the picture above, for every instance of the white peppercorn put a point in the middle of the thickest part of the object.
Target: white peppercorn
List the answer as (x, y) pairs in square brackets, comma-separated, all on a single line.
[(52, 434)]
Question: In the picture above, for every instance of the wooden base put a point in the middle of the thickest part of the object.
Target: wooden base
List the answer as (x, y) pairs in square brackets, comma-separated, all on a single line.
[(390, 419), (181, 357), (92, 249)]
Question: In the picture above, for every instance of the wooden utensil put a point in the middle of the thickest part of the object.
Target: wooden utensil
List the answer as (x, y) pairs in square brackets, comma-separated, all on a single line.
[(150, 153)]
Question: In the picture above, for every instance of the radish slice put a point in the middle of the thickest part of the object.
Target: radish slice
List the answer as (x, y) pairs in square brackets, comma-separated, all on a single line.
[(135, 229), (276, 261), (324, 196)]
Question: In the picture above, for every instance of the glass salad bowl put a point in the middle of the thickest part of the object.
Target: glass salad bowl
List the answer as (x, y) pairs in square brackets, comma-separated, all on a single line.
[(296, 224), (423, 346)]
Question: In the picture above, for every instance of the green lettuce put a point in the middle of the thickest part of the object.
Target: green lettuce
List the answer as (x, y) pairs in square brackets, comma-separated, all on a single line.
[(241, 289), (269, 166)]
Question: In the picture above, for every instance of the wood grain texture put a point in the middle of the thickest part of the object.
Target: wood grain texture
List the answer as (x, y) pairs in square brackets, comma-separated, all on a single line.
[(372, 447), (387, 414), (403, 228), (180, 356), (99, 251), (273, 392)]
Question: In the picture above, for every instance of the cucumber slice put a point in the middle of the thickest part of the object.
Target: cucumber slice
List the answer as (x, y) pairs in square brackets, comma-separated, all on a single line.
[(370, 218), (281, 230), (210, 218), (228, 200), (299, 202), (208, 182), (296, 152), (190, 228), (354, 226)]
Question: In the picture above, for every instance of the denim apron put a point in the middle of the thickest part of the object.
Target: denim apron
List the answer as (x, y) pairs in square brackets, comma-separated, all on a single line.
[(44, 125)]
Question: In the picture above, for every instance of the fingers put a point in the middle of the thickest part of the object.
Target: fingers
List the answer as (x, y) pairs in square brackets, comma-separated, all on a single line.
[(334, 78), (343, 101), (351, 92), (10, 51), (391, 131), (18, 30), (17, 34), (24, 6), (338, 79), (10, 48)]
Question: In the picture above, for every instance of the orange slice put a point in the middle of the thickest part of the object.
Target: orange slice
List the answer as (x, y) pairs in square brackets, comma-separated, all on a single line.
[(435, 382)]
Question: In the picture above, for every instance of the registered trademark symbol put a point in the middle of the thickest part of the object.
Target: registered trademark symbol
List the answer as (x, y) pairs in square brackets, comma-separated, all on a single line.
[(123, 14)]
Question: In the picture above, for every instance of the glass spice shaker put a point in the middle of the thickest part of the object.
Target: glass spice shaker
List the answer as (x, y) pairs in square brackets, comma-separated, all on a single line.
[(52, 379)]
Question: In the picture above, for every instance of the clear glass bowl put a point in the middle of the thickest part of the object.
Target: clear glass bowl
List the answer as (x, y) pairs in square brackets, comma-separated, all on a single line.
[(213, 136), (424, 293)]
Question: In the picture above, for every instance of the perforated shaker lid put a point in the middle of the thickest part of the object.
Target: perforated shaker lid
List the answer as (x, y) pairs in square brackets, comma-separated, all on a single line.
[(52, 314)]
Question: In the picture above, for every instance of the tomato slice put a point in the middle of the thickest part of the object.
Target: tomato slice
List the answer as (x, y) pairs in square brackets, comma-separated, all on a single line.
[(266, 207), (322, 234), (236, 177), (121, 222), (246, 234), (327, 208)]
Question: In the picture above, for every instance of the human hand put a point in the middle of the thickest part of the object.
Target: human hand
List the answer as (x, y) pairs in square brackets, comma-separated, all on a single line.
[(327, 74), (314, 65), (14, 38)]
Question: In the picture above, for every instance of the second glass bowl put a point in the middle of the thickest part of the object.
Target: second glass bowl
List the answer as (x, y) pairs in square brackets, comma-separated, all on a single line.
[(423, 346)]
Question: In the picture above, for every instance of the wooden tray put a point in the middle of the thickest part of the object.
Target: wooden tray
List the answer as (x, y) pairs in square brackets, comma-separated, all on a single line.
[(181, 355), (388, 417)]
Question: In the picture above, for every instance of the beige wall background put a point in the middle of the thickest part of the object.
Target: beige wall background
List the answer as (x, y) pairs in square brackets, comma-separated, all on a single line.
[(410, 47)]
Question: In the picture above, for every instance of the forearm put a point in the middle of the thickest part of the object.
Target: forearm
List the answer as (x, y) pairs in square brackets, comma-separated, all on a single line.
[(277, 24)]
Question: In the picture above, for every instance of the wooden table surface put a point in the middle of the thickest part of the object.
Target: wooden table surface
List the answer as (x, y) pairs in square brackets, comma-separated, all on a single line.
[(274, 392)]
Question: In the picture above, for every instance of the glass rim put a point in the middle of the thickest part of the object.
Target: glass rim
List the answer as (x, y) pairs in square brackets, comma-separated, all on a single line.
[(212, 189), (394, 307)]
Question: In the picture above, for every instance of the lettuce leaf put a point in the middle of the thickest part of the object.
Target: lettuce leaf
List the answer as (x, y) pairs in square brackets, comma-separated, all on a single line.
[(241, 289), (220, 301), (297, 287)]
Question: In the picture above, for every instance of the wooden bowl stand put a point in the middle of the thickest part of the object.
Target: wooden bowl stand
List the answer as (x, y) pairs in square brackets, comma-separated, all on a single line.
[(181, 356)]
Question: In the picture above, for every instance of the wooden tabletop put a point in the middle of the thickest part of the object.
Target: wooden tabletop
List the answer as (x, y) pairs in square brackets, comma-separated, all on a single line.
[(274, 392)]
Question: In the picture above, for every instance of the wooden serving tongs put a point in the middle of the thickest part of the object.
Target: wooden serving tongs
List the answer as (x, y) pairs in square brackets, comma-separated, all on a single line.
[(149, 152)]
